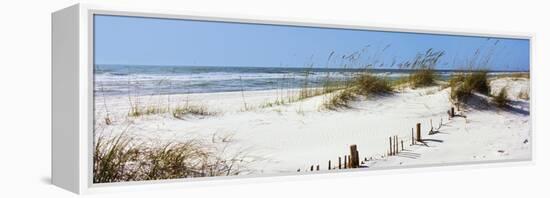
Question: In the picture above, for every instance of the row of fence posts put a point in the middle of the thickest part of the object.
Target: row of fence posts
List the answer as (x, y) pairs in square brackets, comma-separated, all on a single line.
[(352, 160), (395, 142), (394, 145)]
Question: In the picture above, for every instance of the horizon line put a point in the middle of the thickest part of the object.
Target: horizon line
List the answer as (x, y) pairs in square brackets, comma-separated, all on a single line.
[(299, 67)]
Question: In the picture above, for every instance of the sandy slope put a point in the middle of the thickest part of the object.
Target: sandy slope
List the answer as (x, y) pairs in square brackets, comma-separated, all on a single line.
[(285, 138)]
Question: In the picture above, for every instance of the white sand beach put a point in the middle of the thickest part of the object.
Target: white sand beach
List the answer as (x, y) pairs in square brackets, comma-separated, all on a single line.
[(287, 137)]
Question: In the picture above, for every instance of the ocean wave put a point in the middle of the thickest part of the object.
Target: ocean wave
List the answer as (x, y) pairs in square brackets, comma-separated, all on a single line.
[(148, 80)]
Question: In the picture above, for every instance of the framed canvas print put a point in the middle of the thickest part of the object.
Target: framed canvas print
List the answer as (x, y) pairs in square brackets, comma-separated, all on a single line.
[(169, 99)]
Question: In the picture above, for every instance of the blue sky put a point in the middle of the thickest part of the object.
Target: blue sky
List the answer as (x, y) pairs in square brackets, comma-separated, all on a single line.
[(151, 41)]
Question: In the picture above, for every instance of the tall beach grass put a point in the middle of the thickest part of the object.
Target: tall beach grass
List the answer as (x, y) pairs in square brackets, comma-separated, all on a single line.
[(122, 158), (364, 84), (463, 85)]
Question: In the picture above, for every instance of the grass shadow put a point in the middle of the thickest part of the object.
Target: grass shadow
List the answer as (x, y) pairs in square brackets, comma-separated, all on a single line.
[(516, 108)]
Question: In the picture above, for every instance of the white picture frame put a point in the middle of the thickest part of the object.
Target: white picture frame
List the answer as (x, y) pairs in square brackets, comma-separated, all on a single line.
[(72, 96)]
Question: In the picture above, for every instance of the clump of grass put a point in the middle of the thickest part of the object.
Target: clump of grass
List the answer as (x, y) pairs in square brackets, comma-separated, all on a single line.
[(478, 81), (422, 77), (340, 99), (150, 110), (178, 112), (121, 158), (181, 111), (366, 83), (463, 85), (501, 99), (173, 160), (423, 65), (113, 159), (277, 102), (137, 110)]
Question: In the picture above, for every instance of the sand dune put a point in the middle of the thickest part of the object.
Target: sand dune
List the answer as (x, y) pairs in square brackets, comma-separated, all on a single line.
[(285, 138)]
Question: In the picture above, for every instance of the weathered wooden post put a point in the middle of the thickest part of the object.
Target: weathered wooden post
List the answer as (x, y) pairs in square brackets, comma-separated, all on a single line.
[(402, 147), (452, 112), (317, 167), (391, 153), (397, 142), (345, 161), (418, 136), (349, 161), (329, 165), (354, 156), (396, 145), (311, 169), (339, 162), (357, 159), (412, 136), (393, 145)]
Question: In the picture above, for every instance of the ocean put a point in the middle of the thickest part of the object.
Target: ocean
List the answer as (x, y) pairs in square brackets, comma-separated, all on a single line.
[(147, 80)]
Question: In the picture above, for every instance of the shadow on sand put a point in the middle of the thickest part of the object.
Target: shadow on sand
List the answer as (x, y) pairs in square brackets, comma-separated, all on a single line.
[(482, 102), (408, 154)]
